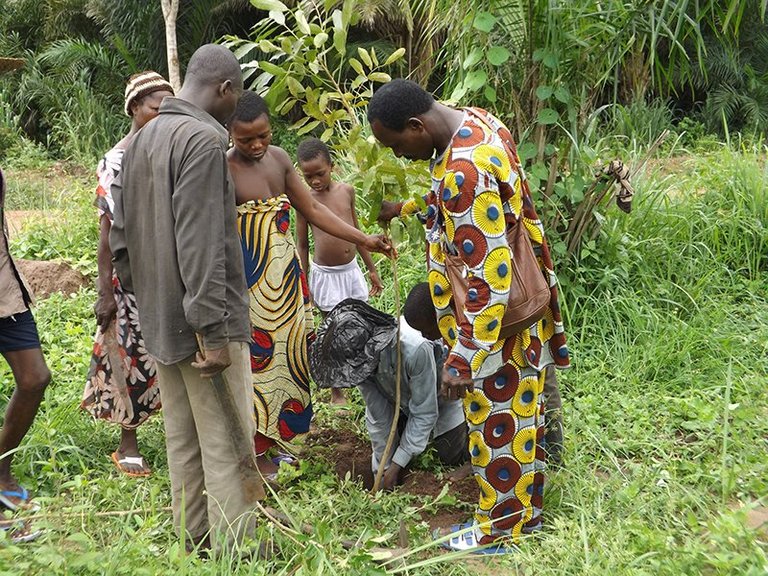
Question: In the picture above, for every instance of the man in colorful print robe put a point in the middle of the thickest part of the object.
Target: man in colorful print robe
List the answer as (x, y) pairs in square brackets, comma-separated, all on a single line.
[(479, 191)]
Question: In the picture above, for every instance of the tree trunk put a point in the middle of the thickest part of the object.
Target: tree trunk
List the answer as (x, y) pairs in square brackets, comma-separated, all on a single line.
[(170, 12)]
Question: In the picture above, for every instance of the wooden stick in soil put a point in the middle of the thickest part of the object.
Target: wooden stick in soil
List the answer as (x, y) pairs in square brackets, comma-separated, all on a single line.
[(396, 415)]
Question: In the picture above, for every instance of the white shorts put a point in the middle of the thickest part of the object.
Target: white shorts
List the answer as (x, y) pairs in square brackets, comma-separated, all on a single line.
[(329, 285)]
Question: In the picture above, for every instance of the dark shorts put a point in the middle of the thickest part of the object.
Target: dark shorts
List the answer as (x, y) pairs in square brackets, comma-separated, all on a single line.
[(18, 332)]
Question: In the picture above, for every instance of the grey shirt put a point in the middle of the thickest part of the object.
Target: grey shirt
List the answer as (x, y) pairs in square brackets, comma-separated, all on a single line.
[(427, 413), (15, 295), (174, 236)]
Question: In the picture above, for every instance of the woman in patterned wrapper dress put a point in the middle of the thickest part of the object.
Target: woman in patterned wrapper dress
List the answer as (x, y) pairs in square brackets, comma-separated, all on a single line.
[(121, 384), (266, 186)]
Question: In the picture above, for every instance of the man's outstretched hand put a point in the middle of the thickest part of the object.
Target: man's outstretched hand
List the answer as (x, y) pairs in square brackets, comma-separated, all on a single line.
[(388, 211), (380, 243)]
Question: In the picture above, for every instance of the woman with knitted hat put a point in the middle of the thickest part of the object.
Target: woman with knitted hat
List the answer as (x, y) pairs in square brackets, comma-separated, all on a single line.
[(121, 386)]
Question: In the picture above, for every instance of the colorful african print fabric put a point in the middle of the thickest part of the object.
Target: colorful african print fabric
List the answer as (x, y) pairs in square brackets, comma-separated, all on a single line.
[(282, 321), (478, 192), (130, 396)]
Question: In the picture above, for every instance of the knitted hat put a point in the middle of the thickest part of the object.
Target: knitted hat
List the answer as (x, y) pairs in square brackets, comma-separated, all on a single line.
[(142, 84), (10, 64)]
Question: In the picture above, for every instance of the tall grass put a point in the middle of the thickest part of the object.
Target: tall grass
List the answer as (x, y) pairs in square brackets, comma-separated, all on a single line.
[(665, 409)]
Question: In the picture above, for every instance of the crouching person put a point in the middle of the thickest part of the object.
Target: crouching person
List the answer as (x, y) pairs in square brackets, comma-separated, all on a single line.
[(357, 345)]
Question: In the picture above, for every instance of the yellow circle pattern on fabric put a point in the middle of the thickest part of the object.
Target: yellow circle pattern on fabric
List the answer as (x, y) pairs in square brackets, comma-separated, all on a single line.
[(493, 159), (487, 493), (436, 254), (534, 230), (448, 328), (484, 523), (439, 288), (477, 407), (497, 269), (488, 323), (479, 452), (523, 488), (478, 358), (524, 445), (438, 170), (450, 227), (525, 400), (545, 328), (488, 214), (449, 189)]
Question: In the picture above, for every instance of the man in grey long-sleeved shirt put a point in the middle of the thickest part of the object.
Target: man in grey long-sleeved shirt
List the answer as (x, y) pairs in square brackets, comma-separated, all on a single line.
[(175, 246), (357, 345)]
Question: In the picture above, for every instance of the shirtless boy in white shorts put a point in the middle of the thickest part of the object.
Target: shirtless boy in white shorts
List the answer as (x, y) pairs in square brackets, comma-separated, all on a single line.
[(335, 274)]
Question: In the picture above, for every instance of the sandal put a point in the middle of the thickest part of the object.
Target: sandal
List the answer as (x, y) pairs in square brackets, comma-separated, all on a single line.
[(20, 531), (287, 458), (17, 500), (463, 540), (135, 460)]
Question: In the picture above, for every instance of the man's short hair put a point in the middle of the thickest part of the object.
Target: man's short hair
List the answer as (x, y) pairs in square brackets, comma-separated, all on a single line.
[(249, 107), (213, 64), (311, 148), (418, 310), (397, 101)]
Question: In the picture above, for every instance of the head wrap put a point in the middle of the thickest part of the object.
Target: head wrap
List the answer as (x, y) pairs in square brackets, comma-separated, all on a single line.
[(348, 344), (142, 84)]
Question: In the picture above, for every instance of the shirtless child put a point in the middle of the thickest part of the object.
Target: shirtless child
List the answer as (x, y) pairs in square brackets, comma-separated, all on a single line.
[(266, 185), (335, 274)]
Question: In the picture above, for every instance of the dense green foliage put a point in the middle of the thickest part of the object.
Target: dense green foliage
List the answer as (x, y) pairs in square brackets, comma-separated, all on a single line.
[(666, 308), (664, 410)]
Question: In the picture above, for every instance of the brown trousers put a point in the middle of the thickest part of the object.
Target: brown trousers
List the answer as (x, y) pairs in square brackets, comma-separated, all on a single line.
[(205, 481)]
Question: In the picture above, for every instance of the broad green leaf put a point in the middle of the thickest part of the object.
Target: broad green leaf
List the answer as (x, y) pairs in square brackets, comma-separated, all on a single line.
[(476, 79), (550, 60), (490, 94), (340, 40), (294, 86), (484, 21), (267, 46), (301, 22), (269, 5), (474, 56), (396, 55), (308, 127), (270, 68), (338, 22), (243, 49), (543, 92), (547, 116), (540, 171), (497, 55), (356, 66), (278, 16), (365, 57), (326, 135), (373, 56), (562, 94), (526, 151), (379, 77)]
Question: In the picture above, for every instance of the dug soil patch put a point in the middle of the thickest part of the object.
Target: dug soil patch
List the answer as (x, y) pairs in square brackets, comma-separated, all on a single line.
[(48, 276), (351, 455)]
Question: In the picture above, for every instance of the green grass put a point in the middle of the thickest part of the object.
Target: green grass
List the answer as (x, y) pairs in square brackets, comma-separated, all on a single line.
[(666, 413)]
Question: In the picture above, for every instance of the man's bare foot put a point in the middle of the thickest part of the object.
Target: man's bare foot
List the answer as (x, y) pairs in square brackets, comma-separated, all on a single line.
[(338, 397), (460, 473), (266, 466)]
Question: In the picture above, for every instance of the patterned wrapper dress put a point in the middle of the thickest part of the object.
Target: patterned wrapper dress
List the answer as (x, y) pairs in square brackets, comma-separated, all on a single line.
[(478, 191), (281, 316), (130, 396)]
